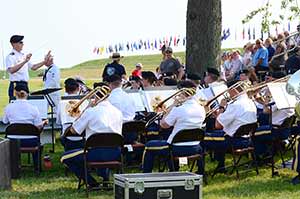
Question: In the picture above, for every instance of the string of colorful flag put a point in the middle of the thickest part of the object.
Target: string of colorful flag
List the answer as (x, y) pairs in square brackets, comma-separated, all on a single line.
[(251, 33)]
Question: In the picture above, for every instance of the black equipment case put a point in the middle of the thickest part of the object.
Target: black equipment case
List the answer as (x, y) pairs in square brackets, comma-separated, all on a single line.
[(172, 185)]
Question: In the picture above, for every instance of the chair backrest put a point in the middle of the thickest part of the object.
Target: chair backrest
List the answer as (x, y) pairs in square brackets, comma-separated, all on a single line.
[(137, 126), (22, 129), (188, 135), (104, 140), (247, 129)]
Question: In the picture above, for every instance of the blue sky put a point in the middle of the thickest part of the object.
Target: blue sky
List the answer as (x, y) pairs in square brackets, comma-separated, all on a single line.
[(71, 28)]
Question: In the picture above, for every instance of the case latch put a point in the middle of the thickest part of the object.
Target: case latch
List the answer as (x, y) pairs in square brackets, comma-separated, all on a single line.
[(189, 184), (139, 187)]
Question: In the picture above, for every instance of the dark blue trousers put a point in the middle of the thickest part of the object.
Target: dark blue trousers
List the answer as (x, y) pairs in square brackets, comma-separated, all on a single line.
[(71, 144), (32, 142), (155, 148), (75, 162)]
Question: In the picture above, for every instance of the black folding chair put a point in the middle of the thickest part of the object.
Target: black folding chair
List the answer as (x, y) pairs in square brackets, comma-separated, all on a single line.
[(246, 131), (132, 132), (26, 130), (102, 140), (187, 135)]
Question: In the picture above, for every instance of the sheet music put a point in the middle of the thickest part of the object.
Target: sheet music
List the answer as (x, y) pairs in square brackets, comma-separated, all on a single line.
[(41, 104), (136, 95), (282, 99), (153, 97), (64, 107)]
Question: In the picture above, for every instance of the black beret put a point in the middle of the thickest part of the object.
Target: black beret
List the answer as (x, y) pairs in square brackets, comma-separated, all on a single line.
[(21, 87), (148, 75), (16, 38), (71, 82), (213, 71), (194, 76), (186, 84), (113, 78)]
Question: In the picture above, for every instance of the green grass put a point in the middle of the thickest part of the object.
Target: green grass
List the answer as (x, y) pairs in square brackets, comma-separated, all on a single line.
[(54, 184)]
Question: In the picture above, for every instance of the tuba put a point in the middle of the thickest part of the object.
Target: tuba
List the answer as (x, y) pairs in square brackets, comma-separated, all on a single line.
[(293, 88)]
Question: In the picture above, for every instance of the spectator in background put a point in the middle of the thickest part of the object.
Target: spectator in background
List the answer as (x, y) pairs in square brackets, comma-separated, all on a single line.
[(114, 68), (236, 66), (292, 64), (171, 64), (260, 59), (290, 41), (270, 48), (247, 57), (138, 70), (277, 62)]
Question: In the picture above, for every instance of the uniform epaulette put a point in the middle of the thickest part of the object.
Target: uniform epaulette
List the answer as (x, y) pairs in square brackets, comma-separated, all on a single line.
[(12, 53)]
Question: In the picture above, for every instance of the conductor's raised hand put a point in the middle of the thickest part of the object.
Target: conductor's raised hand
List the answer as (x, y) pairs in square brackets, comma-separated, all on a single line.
[(28, 57)]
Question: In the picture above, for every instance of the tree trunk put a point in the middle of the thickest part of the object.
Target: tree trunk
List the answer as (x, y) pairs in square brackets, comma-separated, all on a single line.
[(203, 34)]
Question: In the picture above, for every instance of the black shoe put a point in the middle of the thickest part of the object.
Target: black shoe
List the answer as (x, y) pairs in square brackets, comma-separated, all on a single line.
[(296, 180)]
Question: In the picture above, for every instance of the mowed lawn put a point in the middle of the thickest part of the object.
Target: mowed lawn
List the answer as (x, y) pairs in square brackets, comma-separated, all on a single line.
[(54, 183)]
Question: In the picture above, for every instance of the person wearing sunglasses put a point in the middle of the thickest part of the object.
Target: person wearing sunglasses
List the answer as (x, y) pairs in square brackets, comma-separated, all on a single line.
[(17, 64)]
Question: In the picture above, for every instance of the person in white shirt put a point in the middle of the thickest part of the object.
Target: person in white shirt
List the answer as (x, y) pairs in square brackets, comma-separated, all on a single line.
[(17, 64), (22, 112), (189, 115), (69, 142), (229, 118), (51, 79), (103, 117), (120, 99)]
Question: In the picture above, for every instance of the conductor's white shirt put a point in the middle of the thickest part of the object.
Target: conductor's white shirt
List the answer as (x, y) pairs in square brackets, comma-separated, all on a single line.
[(189, 115), (20, 111), (239, 113), (103, 118), (122, 101), (14, 58)]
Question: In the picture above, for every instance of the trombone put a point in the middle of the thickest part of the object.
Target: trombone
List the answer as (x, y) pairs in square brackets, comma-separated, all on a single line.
[(177, 102), (74, 110), (283, 39), (212, 105)]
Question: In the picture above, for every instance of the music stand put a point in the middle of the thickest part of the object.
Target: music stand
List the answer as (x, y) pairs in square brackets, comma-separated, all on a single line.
[(46, 92)]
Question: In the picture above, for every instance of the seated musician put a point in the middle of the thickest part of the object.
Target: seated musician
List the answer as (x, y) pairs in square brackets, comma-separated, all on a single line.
[(22, 112), (229, 118), (120, 99), (135, 82), (189, 115), (103, 117), (148, 79), (69, 142), (278, 117)]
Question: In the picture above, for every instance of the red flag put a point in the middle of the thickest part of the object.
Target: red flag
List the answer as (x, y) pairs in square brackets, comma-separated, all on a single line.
[(175, 41)]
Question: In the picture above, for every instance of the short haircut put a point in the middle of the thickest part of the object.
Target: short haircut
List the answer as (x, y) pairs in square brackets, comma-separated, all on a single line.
[(71, 85)]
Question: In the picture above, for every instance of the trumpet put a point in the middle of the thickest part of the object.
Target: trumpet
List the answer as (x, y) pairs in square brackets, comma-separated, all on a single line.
[(177, 102), (212, 105), (74, 110)]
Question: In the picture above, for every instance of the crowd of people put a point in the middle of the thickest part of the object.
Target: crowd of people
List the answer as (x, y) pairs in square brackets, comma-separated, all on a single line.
[(112, 106)]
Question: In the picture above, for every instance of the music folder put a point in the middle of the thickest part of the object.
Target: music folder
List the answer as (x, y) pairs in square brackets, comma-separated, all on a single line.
[(280, 96)]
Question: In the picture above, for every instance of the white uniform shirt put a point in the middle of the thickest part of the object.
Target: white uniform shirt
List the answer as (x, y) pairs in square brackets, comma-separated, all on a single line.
[(52, 80), (122, 101), (14, 58), (102, 118), (22, 112), (238, 113), (278, 116), (189, 115)]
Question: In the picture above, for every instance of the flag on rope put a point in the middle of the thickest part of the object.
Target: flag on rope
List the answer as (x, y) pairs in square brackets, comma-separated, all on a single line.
[(249, 34), (253, 36), (155, 44), (289, 26), (276, 29), (243, 33)]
